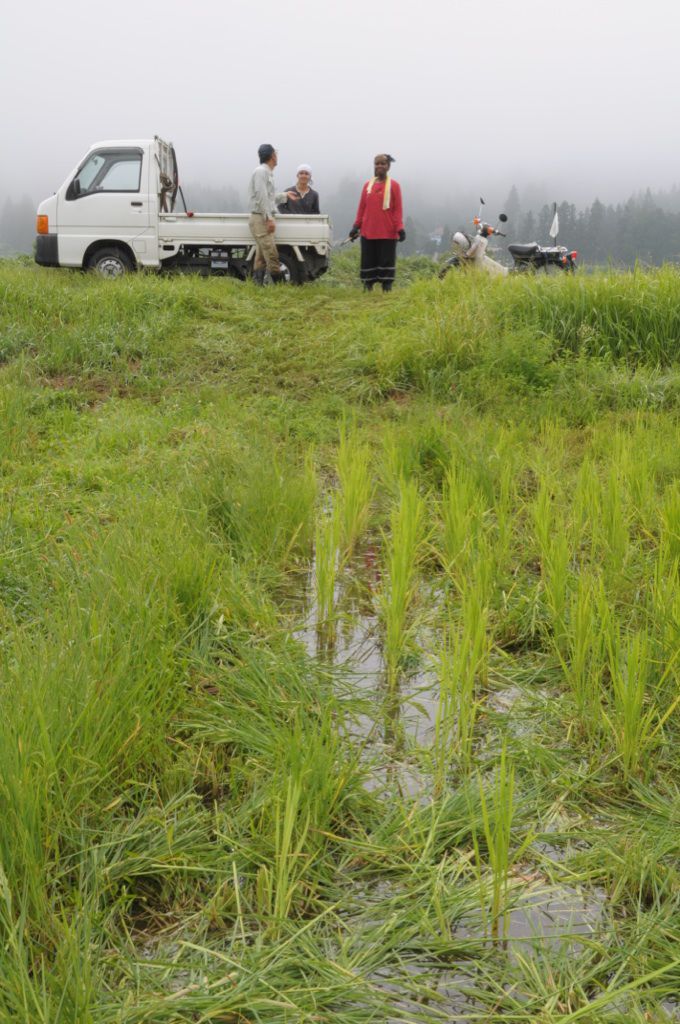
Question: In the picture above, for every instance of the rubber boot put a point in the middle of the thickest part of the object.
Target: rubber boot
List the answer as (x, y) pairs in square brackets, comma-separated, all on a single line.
[(277, 278), (258, 277)]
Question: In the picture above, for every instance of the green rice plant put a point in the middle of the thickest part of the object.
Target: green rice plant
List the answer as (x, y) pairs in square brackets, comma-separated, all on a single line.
[(327, 536), (462, 511), (664, 615), (462, 667), (637, 472), (632, 716), (669, 515), (278, 882), (634, 719), (357, 489), (498, 812), (584, 659), (614, 527), (586, 511), (555, 560), (396, 599), (504, 517), (397, 464)]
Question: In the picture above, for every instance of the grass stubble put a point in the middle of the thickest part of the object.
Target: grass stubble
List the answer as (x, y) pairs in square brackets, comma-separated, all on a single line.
[(190, 830)]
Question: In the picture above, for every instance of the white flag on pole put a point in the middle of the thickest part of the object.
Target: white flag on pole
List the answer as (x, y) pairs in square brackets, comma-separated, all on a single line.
[(555, 226)]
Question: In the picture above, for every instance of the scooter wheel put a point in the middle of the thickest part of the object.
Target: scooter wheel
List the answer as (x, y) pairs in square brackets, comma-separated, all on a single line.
[(453, 264)]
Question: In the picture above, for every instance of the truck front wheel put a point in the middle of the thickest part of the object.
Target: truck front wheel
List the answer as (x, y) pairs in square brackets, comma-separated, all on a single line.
[(110, 262)]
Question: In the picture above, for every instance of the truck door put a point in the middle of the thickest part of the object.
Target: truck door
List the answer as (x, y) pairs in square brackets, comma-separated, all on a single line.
[(107, 199)]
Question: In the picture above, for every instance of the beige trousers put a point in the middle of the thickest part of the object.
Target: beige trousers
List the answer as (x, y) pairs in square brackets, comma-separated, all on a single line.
[(266, 253)]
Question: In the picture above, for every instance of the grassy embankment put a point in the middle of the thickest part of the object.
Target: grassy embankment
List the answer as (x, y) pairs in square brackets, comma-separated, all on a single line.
[(339, 647)]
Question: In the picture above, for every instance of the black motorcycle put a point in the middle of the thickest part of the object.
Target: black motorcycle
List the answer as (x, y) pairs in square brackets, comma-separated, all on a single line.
[(548, 258), (533, 258)]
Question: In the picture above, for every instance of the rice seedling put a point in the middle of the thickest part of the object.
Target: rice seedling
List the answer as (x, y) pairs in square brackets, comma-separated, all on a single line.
[(664, 613), (669, 514), (555, 560), (326, 546), (504, 517), (497, 811), (462, 667), (584, 658), (278, 882), (586, 509), (462, 513), (614, 529), (396, 600), (357, 488), (634, 718)]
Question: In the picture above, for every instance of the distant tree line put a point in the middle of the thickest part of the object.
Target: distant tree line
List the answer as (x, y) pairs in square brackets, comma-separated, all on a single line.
[(646, 228), (643, 229)]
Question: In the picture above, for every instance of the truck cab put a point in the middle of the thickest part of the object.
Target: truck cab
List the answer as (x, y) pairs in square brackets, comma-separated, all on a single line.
[(116, 212), (105, 215)]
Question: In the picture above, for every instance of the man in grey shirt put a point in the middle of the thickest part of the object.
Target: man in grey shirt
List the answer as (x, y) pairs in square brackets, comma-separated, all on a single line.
[(263, 200)]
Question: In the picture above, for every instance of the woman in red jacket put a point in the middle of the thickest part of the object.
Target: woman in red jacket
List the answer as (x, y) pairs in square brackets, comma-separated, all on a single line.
[(380, 223)]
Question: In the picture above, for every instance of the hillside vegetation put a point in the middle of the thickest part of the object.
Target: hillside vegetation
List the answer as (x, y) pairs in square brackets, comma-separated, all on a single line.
[(339, 649)]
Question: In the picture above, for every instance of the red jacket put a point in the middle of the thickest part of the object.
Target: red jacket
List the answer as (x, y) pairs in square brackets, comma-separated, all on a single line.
[(375, 222)]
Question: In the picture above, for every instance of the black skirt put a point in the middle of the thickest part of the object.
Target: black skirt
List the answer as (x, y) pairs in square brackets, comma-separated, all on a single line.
[(378, 261)]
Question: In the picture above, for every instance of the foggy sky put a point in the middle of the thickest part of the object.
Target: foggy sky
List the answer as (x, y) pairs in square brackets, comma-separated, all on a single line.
[(471, 96)]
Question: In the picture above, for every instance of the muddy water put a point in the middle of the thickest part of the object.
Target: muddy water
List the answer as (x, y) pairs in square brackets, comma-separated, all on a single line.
[(393, 733)]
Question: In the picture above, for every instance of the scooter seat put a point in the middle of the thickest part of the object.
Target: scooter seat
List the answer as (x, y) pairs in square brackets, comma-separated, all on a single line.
[(524, 251)]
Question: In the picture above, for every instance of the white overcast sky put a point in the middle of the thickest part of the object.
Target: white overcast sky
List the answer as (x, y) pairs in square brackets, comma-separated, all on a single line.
[(581, 96)]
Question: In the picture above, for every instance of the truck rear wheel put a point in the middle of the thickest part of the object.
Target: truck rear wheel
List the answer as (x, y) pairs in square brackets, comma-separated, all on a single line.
[(294, 272), (110, 262)]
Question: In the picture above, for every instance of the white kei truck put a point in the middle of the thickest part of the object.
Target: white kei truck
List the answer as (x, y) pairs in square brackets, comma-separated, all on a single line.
[(116, 212)]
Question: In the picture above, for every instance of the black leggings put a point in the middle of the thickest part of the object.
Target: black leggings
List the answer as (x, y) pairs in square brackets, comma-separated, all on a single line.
[(378, 260)]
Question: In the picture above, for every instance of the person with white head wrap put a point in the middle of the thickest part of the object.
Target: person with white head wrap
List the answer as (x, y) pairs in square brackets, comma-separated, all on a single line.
[(308, 198)]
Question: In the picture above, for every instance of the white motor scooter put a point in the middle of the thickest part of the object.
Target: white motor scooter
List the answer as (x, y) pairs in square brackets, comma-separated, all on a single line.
[(470, 250)]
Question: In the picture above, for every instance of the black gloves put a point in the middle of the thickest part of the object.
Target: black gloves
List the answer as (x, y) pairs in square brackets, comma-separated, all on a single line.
[(354, 231), (402, 235)]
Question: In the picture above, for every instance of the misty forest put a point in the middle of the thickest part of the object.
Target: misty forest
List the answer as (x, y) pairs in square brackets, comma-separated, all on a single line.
[(644, 229)]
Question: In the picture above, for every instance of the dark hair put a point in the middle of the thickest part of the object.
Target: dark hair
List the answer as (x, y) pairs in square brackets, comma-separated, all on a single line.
[(265, 152), (386, 156)]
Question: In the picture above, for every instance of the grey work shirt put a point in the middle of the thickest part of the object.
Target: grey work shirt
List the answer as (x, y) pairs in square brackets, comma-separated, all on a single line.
[(262, 195)]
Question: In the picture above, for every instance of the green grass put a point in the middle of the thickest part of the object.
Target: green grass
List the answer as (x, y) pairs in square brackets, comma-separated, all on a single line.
[(474, 485)]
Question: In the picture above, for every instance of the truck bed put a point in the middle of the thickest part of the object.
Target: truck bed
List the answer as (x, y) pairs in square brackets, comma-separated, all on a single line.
[(232, 228)]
